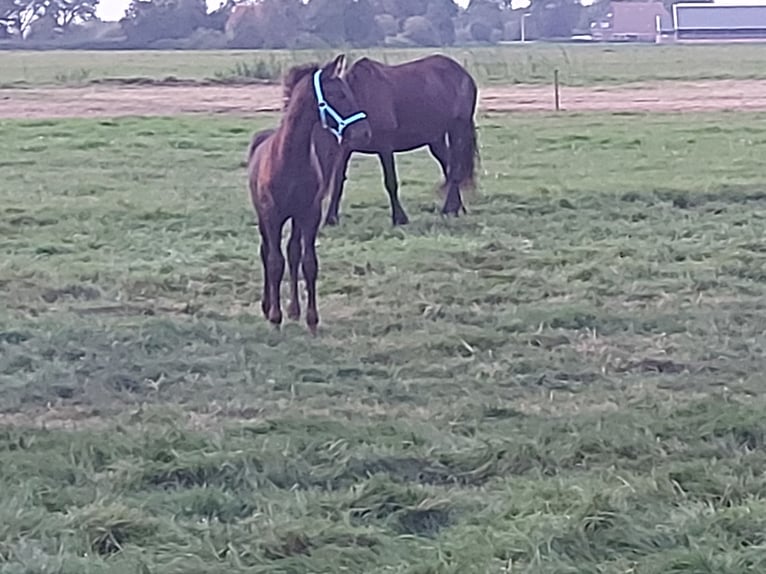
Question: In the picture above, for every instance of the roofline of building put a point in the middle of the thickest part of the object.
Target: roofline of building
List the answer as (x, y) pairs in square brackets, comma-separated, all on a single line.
[(709, 5)]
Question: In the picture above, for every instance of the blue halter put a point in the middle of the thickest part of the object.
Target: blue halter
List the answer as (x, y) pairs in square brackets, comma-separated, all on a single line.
[(326, 109)]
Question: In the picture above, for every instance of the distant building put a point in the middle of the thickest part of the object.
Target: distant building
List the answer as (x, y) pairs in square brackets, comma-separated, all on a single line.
[(632, 22), (720, 20)]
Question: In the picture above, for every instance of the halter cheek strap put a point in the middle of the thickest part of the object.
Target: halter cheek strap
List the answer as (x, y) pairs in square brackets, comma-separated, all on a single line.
[(325, 110)]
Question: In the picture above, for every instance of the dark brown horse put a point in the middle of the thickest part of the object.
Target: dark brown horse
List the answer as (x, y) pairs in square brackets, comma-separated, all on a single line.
[(286, 179), (426, 102), (324, 146)]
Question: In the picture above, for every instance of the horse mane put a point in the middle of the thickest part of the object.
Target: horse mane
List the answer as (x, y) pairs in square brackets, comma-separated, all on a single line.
[(369, 66), (364, 61), (292, 77)]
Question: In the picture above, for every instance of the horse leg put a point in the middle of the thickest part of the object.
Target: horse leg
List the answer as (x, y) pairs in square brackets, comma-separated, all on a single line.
[(453, 202), (337, 180), (311, 268), (440, 151), (398, 216), (276, 270), (265, 299), (294, 253)]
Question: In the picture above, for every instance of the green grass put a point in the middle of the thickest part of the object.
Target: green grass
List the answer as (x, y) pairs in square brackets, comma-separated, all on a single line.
[(568, 379), (533, 63)]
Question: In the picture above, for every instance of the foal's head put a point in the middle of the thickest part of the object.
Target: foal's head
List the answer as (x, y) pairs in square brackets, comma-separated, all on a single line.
[(335, 104)]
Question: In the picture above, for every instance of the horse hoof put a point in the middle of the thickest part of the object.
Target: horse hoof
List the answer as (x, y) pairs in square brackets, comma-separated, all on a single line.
[(401, 219), (275, 317), (294, 314), (331, 221), (312, 321)]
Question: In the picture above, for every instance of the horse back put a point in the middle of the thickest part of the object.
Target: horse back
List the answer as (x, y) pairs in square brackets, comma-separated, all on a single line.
[(443, 78), (429, 75), (427, 94)]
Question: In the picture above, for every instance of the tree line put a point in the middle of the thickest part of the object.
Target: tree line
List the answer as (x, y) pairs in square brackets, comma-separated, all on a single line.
[(290, 24)]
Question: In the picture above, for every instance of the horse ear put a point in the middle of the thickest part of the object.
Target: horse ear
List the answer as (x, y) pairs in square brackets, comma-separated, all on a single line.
[(334, 68), (343, 66)]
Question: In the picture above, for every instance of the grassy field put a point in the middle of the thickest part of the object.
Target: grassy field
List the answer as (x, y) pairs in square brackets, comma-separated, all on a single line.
[(568, 379), (532, 63)]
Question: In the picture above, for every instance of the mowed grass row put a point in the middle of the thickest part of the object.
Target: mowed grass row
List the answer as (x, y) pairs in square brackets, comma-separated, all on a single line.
[(531, 63), (568, 379)]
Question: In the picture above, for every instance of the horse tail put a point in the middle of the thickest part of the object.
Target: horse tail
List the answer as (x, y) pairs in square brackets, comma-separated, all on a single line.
[(467, 154)]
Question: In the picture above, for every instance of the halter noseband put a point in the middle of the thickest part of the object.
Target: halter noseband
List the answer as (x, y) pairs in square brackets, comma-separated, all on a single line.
[(326, 109)]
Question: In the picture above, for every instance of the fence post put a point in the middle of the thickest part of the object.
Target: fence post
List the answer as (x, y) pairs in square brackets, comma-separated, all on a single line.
[(657, 29), (556, 89)]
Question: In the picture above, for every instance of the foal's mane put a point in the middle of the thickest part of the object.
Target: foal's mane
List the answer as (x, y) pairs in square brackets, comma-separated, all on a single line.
[(291, 79)]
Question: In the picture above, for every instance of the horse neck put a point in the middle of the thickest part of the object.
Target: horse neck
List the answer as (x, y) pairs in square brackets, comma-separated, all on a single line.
[(294, 140)]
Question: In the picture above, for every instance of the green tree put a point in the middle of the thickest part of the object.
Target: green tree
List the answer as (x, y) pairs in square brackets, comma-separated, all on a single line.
[(485, 19), (269, 24), (401, 9), (339, 22), (504, 4), (17, 15), (418, 30), (147, 21), (361, 29), (556, 18), (324, 18), (441, 14), (9, 17), (217, 19), (69, 12)]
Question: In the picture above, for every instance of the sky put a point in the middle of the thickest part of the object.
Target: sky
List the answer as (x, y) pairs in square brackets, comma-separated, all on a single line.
[(111, 10)]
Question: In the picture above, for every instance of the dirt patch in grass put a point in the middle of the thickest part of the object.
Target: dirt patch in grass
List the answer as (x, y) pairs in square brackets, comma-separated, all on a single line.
[(173, 99)]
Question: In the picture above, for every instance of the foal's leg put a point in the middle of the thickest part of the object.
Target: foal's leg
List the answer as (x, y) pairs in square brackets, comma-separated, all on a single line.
[(266, 298), (294, 253), (392, 187), (276, 266), (309, 227)]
